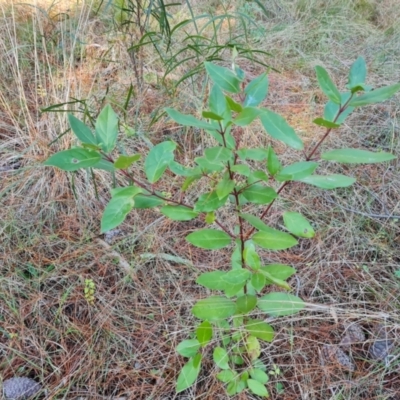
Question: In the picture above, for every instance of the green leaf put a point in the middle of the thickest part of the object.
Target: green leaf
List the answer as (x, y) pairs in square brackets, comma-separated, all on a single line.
[(356, 156), (257, 176), (73, 159), (218, 154), (257, 388), (259, 375), (246, 116), (231, 387), (212, 280), (256, 222), (104, 165), (375, 96), (217, 102), (226, 376), (253, 348), (298, 225), (209, 202), (325, 123), (260, 329), (329, 181), (332, 109), (210, 217), (273, 163), (118, 208), (81, 131), (277, 127), (181, 170), (274, 240), (237, 277), (188, 181), (296, 171), (187, 120), (158, 159), (327, 86), (188, 348), (146, 201), (276, 281), (258, 281), (124, 162), (209, 239), (279, 304), (278, 271), (179, 213), (188, 374), (224, 187), (259, 194), (204, 333), (107, 129), (241, 169), (233, 105), (252, 154), (357, 74), (214, 308), (211, 115), (246, 303), (256, 91), (250, 255), (223, 77), (207, 166), (221, 358)]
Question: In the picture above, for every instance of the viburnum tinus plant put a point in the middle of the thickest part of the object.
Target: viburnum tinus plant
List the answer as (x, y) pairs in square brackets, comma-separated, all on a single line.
[(232, 320)]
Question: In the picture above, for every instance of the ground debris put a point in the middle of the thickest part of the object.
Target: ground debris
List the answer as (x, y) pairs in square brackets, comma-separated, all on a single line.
[(335, 355)]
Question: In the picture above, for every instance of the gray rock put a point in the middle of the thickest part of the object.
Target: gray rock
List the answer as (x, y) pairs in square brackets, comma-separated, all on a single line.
[(20, 388)]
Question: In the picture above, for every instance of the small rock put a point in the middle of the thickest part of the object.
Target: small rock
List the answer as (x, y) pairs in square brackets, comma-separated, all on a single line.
[(381, 348), (20, 388), (336, 355), (354, 334)]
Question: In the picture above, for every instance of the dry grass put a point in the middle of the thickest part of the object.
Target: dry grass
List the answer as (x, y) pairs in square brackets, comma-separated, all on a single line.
[(123, 345)]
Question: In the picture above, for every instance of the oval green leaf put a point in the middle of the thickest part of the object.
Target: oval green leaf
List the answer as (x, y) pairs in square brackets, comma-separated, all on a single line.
[(246, 303), (329, 181), (209, 239), (256, 91), (221, 358), (214, 308), (107, 129), (81, 131), (257, 388), (375, 96), (298, 225), (187, 120), (179, 213), (188, 374), (259, 194), (158, 159), (212, 280), (204, 333), (277, 127), (188, 348), (124, 162), (356, 156), (260, 329), (279, 304), (296, 171), (73, 159), (274, 240), (223, 77), (327, 85)]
